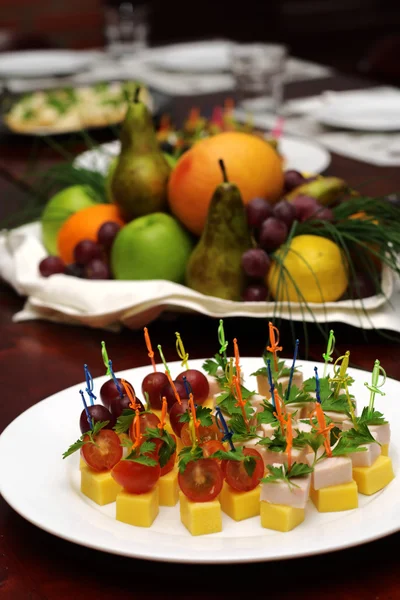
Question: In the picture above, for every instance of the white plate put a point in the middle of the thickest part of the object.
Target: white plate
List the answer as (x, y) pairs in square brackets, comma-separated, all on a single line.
[(299, 154), (44, 489), (41, 63), (196, 57), (369, 113)]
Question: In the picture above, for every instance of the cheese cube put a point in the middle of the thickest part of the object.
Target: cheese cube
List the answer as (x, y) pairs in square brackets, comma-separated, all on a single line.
[(137, 509), (367, 457), (179, 445), (99, 487), (336, 497), (279, 492), (168, 488), (240, 505), (374, 478), (332, 472), (385, 449), (200, 518), (268, 430), (382, 431), (82, 463), (280, 517)]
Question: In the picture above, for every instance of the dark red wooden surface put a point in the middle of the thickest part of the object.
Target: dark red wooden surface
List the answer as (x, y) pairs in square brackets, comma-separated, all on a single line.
[(40, 358)]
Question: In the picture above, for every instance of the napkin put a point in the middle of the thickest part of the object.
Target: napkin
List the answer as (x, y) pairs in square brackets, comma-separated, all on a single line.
[(112, 304)]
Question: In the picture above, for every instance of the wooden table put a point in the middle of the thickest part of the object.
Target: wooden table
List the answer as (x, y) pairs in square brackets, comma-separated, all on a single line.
[(40, 358)]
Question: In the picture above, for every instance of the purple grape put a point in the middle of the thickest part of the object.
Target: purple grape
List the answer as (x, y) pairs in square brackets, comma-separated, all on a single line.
[(97, 412), (360, 286), (109, 392), (306, 207), (107, 233), (285, 211), (258, 210), (97, 269), (256, 262), (255, 293), (51, 265), (292, 179), (87, 250), (324, 213), (75, 270), (273, 233), (119, 404)]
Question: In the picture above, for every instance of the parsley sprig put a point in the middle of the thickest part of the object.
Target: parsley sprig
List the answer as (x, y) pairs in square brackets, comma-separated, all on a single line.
[(91, 435), (240, 431), (203, 414), (282, 371), (278, 442), (351, 441), (371, 417), (141, 454), (213, 365), (249, 462), (267, 415), (168, 447), (227, 402), (187, 455), (282, 473)]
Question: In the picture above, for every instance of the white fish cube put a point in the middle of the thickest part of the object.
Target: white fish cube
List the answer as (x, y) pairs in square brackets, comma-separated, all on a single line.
[(267, 430), (256, 401), (337, 417), (366, 458), (298, 455), (280, 492), (382, 432), (263, 383), (332, 471)]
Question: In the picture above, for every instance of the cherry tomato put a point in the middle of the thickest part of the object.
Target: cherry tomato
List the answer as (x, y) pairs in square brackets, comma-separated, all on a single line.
[(202, 480), (236, 475), (134, 477), (212, 446), (147, 420), (104, 453), (170, 464), (206, 433)]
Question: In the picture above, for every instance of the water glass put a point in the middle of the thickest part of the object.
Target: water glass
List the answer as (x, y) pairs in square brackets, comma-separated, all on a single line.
[(126, 27), (259, 70)]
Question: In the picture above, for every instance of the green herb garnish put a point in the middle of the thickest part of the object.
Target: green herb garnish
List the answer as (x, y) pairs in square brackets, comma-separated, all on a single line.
[(227, 402), (91, 434), (282, 371), (240, 431), (168, 447), (371, 417), (282, 473), (140, 455), (203, 414), (124, 421), (249, 462), (189, 454)]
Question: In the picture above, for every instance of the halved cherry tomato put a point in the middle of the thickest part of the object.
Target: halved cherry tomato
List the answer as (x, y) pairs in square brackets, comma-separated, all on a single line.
[(104, 453), (238, 478), (212, 446), (134, 477), (202, 480), (170, 464), (206, 433), (147, 420)]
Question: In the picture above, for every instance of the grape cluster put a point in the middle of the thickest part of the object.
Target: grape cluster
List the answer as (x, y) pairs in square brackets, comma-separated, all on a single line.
[(271, 225), (91, 258)]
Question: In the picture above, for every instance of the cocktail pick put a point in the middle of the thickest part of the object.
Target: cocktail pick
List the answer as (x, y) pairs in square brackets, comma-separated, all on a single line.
[(130, 392), (193, 423), (89, 418), (89, 384), (224, 429), (296, 350), (187, 385), (274, 343), (317, 386), (339, 372), (163, 416), (171, 383), (327, 356), (117, 385), (374, 388), (162, 358), (279, 413), (104, 354), (271, 382), (149, 348), (237, 358), (180, 349), (221, 338), (240, 402)]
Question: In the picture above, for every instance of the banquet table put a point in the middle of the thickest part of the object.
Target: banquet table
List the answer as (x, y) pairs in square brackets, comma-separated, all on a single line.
[(41, 358)]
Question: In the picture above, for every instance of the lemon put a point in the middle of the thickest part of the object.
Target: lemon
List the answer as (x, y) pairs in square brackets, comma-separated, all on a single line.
[(314, 265)]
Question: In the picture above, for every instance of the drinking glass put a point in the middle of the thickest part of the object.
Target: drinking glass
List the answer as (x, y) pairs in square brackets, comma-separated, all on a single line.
[(126, 26), (259, 70)]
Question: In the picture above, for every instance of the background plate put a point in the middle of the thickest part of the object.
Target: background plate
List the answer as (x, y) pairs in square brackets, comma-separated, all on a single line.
[(44, 489)]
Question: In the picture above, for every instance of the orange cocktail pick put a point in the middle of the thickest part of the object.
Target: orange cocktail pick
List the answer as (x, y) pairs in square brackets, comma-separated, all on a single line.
[(237, 358), (274, 343), (164, 411), (138, 433), (195, 421), (171, 383), (149, 348), (129, 391), (324, 429), (279, 413), (240, 402)]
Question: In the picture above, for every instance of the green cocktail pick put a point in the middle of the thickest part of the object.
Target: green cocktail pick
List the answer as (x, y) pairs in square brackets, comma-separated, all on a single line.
[(162, 358), (104, 355), (327, 356), (374, 388), (221, 338)]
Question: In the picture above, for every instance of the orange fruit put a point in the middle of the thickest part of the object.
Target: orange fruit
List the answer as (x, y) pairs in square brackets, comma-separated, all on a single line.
[(84, 225), (249, 160)]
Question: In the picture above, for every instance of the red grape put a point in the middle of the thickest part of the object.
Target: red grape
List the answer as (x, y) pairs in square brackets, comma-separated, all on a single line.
[(109, 391), (257, 210), (285, 211), (147, 420), (175, 413), (119, 404), (306, 206), (87, 250), (51, 265), (107, 233), (168, 392), (198, 382), (256, 262), (292, 179), (324, 213), (152, 385), (273, 233), (75, 270), (97, 412), (255, 293), (97, 269)]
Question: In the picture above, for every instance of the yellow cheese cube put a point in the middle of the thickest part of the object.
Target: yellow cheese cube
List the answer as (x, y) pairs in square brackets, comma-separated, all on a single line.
[(168, 488), (240, 505), (200, 518), (335, 497), (372, 479), (138, 509), (385, 450), (82, 464), (280, 517), (99, 487)]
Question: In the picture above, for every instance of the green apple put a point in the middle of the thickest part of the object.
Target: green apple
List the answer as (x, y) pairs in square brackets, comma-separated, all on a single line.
[(154, 246), (109, 176), (59, 208)]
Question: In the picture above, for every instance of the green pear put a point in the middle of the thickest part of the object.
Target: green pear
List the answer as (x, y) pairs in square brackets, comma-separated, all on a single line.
[(139, 183), (214, 267)]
